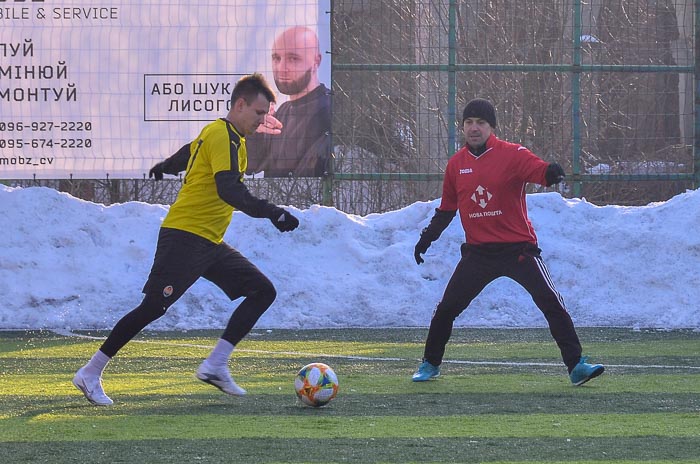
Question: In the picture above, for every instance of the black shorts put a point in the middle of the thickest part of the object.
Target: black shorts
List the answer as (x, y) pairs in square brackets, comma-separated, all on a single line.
[(182, 258)]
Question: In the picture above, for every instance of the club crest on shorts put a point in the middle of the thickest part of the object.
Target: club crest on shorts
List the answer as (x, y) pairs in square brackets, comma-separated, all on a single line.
[(167, 291)]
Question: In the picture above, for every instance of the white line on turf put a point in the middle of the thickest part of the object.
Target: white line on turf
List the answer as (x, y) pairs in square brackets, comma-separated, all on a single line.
[(67, 333)]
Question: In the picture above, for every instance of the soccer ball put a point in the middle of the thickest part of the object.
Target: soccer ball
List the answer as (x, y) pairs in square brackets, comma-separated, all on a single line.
[(316, 384)]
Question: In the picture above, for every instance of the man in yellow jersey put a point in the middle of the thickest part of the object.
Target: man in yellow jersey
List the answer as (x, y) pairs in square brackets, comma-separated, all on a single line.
[(190, 241)]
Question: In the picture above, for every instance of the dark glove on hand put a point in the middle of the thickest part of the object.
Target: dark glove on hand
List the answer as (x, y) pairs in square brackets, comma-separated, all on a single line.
[(421, 247), (554, 174), (156, 171), (439, 222), (283, 220)]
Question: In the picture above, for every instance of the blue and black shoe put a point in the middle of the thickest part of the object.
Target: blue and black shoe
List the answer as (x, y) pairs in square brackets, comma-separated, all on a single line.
[(583, 372), (426, 371)]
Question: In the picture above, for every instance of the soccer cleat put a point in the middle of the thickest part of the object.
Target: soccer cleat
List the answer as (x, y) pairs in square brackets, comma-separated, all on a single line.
[(426, 371), (583, 372), (219, 377), (91, 386)]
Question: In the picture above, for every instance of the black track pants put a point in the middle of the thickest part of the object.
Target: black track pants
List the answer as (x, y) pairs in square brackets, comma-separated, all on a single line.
[(479, 266)]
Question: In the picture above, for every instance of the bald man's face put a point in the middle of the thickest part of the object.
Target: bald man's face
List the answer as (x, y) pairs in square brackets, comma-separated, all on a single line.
[(295, 61)]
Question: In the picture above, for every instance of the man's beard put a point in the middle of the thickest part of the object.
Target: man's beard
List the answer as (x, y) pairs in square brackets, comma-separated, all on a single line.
[(294, 87)]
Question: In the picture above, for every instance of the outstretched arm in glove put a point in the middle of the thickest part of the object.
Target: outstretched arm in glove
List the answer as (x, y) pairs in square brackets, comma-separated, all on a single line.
[(554, 174), (231, 189), (174, 165)]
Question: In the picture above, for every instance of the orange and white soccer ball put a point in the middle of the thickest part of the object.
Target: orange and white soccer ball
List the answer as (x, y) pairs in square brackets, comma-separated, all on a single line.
[(316, 384)]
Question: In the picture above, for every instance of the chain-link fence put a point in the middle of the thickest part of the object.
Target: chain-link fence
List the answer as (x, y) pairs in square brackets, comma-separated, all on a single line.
[(605, 88)]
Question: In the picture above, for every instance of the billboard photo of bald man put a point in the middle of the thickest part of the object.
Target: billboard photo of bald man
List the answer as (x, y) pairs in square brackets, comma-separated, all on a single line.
[(295, 140)]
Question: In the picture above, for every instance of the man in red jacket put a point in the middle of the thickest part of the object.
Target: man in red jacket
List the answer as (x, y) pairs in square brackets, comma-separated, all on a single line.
[(486, 181)]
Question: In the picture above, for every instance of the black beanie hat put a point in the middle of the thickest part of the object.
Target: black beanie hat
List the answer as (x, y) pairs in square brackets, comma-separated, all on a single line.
[(482, 109)]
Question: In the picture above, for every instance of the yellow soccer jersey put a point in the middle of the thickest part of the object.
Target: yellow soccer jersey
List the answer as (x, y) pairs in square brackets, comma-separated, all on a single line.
[(198, 208)]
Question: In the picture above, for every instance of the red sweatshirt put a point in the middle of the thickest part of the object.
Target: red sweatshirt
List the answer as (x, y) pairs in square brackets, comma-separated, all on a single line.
[(489, 191)]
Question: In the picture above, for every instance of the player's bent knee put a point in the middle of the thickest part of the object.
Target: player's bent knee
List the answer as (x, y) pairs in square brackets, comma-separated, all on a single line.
[(446, 313), (549, 303), (153, 306), (264, 291), (268, 293)]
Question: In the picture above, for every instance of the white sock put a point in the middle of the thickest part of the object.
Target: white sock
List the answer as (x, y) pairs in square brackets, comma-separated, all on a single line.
[(221, 353), (97, 363)]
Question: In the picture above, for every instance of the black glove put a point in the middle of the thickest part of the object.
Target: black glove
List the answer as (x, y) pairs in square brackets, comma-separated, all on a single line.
[(156, 171), (554, 174), (283, 220), (441, 219), (421, 247)]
